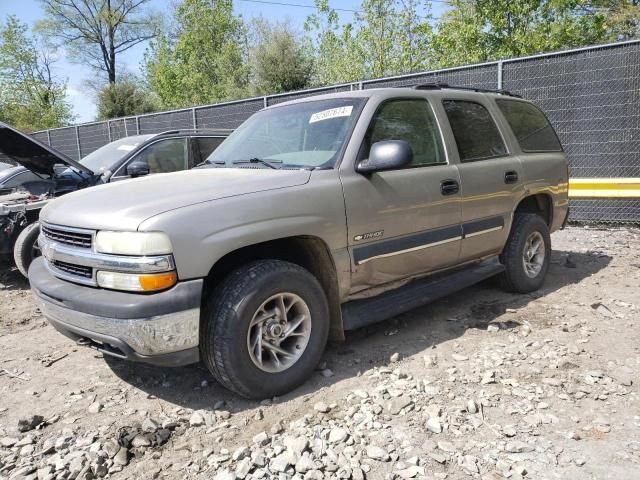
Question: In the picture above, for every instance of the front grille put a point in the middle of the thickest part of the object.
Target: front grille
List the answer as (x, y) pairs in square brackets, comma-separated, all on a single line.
[(79, 270), (77, 239)]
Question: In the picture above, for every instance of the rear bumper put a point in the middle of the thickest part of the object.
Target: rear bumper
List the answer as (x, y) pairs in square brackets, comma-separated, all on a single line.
[(160, 328)]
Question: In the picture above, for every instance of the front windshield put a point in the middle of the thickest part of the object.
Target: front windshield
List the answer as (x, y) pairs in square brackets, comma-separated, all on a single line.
[(105, 157), (301, 135)]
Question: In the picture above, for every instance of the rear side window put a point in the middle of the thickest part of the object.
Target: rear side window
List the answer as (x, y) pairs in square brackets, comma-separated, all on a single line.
[(531, 128), (477, 135)]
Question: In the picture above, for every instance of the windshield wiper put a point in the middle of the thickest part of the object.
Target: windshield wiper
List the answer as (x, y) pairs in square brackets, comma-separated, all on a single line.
[(269, 164)]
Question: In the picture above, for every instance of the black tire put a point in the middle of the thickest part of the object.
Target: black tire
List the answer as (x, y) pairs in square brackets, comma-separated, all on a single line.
[(227, 317), (25, 248), (515, 277)]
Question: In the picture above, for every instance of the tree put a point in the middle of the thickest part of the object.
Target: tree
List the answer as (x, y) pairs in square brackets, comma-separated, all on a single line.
[(480, 30), (96, 32), (386, 37), (122, 99), (280, 60), (31, 97), (202, 59)]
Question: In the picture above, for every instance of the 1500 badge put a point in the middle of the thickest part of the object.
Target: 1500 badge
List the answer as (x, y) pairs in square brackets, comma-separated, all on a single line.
[(368, 236)]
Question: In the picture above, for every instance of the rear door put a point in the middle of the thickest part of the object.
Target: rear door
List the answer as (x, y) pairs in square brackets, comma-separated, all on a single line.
[(490, 175), (402, 223)]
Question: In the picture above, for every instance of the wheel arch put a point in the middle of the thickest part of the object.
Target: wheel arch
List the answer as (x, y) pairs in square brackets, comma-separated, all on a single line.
[(309, 252), (538, 203)]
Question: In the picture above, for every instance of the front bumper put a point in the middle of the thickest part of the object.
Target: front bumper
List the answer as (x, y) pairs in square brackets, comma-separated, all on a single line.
[(160, 328)]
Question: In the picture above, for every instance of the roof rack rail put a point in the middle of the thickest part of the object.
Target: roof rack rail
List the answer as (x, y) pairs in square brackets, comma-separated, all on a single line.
[(197, 130), (442, 86)]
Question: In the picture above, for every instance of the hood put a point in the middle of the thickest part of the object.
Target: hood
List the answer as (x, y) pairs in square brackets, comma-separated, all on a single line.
[(126, 204), (32, 154)]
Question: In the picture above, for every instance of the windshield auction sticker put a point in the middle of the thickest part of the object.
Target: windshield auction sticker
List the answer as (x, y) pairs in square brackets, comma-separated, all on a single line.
[(331, 113)]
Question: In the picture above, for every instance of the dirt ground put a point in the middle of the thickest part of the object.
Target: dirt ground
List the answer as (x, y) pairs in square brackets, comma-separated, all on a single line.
[(482, 384)]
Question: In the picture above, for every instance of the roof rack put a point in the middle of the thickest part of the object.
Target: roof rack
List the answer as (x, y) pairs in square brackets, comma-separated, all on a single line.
[(212, 131), (442, 86)]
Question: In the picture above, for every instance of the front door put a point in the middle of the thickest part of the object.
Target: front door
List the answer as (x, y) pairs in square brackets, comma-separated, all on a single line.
[(403, 222), (489, 176)]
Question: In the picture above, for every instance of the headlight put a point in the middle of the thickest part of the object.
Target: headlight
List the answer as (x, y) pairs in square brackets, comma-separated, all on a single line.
[(133, 243), (134, 282)]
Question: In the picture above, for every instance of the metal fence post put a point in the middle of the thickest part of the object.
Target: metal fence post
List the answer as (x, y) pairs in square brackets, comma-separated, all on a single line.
[(193, 117), (500, 74), (137, 125), (109, 129), (78, 142), (265, 102), (49, 137)]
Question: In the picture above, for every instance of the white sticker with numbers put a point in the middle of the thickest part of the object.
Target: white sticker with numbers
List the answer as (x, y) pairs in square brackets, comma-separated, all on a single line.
[(331, 113)]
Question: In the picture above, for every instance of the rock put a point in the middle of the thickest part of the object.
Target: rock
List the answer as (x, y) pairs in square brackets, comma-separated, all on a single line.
[(337, 435), (243, 468), (321, 407), (493, 328), (122, 457), (411, 472), (29, 423), (240, 453), (394, 358), (488, 377), (623, 375), (396, 404), (327, 372), (518, 447), (469, 464), (140, 441), (580, 461), (261, 439), (509, 431), (524, 330), (446, 446), (197, 419), (281, 462), (433, 425), (149, 425), (8, 442), (438, 457), (472, 406), (377, 453), (459, 358), (225, 474), (305, 463), (95, 407), (296, 445)]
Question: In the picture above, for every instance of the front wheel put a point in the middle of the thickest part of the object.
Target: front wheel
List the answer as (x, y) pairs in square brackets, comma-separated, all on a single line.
[(526, 255), (26, 247), (265, 328)]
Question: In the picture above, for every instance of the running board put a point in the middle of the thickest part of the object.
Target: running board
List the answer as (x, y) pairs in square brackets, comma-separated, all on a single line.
[(358, 313)]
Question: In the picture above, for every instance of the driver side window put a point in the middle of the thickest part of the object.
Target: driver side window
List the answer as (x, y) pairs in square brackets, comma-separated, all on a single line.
[(413, 121), (164, 156)]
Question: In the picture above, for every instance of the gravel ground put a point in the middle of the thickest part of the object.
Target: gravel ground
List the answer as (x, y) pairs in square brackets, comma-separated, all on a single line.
[(482, 384)]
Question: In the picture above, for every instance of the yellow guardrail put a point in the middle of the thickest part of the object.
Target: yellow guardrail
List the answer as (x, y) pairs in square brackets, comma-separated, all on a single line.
[(604, 188)]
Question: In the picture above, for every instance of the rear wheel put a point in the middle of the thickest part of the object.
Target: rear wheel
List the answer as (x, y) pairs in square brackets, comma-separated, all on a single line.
[(265, 328), (526, 255), (26, 247)]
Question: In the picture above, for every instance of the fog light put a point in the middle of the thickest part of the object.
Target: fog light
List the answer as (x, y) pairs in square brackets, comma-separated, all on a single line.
[(136, 282)]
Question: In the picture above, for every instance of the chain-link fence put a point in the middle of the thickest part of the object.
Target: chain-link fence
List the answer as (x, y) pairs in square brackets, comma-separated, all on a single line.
[(591, 95)]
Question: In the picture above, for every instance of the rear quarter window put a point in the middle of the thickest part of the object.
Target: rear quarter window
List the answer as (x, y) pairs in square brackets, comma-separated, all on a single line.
[(530, 126)]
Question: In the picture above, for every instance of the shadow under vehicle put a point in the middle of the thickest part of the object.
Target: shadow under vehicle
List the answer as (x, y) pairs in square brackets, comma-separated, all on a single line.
[(44, 173)]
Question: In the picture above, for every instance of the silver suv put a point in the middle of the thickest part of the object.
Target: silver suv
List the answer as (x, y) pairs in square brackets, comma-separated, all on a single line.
[(314, 217)]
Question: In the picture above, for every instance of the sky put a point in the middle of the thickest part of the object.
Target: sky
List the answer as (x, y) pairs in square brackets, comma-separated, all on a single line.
[(81, 97)]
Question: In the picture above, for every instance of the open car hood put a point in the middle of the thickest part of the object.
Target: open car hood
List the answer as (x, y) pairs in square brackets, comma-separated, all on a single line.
[(32, 154)]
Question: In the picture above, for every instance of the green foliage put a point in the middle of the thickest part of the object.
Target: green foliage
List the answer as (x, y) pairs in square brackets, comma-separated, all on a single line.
[(31, 98), (280, 59), (473, 31), (203, 59), (386, 37), (124, 98), (95, 32)]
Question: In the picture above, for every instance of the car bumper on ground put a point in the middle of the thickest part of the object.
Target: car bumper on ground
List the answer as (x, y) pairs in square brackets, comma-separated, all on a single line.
[(160, 328)]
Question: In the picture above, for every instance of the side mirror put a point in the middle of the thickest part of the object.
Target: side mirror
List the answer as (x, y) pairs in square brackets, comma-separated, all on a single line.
[(386, 155), (137, 169)]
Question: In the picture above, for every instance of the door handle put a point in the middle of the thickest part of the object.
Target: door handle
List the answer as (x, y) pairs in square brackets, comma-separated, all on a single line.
[(449, 187), (511, 177)]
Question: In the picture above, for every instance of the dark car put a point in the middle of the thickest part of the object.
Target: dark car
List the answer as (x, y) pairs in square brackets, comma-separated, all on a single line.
[(44, 173)]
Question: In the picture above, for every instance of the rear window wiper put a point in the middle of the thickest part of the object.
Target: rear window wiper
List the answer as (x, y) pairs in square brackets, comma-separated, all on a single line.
[(270, 164)]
